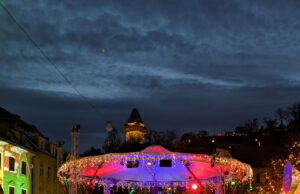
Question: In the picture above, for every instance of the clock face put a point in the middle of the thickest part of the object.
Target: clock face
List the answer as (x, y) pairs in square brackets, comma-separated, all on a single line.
[(287, 177)]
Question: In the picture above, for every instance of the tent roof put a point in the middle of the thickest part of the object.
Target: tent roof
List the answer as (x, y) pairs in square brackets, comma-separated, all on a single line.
[(155, 149)]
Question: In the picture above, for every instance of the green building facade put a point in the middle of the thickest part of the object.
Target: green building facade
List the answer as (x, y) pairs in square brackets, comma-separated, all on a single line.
[(28, 160), (15, 168)]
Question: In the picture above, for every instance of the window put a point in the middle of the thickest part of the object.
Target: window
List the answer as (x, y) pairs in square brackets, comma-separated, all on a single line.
[(53, 149), (11, 164), (165, 163), (23, 168), (54, 173), (41, 170), (258, 178), (41, 143), (23, 191), (11, 190), (132, 164), (49, 169)]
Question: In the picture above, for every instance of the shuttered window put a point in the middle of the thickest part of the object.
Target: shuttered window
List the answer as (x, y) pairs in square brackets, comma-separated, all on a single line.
[(11, 164), (41, 170), (11, 190), (23, 168)]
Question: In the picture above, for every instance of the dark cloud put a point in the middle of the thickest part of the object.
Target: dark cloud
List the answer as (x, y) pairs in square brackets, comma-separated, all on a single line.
[(184, 64)]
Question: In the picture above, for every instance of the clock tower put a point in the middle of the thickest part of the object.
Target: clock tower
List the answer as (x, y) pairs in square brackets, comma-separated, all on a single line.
[(135, 129)]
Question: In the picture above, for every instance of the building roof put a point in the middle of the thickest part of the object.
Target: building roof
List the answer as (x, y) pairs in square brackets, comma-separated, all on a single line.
[(16, 131), (135, 117), (22, 140), (14, 121)]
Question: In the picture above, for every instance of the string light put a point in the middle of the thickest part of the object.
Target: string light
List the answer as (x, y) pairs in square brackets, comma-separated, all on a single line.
[(88, 183), (132, 190), (233, 182), (194, 186)]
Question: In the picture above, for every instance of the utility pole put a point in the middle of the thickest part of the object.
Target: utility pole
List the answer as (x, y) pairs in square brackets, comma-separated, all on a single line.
[(74, 156), (75, 135), (59, 153), (59, 158)]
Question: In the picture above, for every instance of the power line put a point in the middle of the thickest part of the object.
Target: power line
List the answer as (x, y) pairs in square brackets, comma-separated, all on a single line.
[(47, 58)]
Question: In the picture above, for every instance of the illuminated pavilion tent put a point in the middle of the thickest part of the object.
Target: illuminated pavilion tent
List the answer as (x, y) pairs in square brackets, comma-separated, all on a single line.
[(155, 166)]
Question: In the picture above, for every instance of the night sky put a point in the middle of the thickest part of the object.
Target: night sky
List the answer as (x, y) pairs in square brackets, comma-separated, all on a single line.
[(186, 65)]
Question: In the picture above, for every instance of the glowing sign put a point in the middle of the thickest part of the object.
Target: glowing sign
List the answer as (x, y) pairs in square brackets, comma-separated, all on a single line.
[(287, 177)]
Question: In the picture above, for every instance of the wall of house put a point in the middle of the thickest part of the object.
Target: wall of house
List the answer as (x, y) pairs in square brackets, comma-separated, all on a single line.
[(47, 181), (259, 176), (15, 178), (295, 187)]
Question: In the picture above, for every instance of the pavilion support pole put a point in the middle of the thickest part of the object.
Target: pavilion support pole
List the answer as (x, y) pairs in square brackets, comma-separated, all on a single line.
[(191, 172), (221, 181), (155, 189), (74, 156)]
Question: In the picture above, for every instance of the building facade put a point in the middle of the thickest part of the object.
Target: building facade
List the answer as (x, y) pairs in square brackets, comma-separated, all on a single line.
[(29, 161), (45, 164), (16, 163)]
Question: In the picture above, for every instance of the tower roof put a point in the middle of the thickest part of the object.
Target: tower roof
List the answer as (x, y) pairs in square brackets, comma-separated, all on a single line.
[(135, 117)]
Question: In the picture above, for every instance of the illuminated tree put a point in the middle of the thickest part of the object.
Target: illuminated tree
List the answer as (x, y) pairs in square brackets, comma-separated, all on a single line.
[(274, 177)]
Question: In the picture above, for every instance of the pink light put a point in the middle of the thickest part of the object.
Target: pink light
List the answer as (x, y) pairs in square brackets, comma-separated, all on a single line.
[(194, 186), (103, 50)]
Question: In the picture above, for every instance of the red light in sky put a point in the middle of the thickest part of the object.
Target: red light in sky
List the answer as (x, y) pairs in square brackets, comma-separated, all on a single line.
[(103, 50), (194, 186)]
